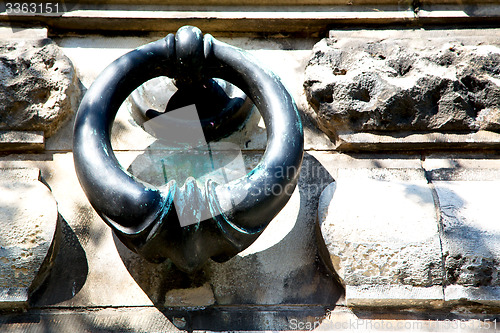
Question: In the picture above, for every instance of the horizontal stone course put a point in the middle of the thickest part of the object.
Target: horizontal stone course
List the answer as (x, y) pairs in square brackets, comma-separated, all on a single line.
[(21, 140), (413, 141), (39, 88), (29, 238), (249, 18), (394, 296), (97, 283), (365, 218)]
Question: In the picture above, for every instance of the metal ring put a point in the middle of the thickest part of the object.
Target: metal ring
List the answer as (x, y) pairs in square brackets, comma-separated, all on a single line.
[(144, 217)]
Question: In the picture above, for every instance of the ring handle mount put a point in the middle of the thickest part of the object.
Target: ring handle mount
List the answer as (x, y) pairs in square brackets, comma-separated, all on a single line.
[(221, 108), (146, 218)]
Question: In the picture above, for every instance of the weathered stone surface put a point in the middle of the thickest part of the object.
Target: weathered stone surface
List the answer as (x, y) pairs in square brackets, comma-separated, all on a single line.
[(87, 271), (470, 237), (96, 289), (389, 84), (28, 243), (38, 86), (365, 218)]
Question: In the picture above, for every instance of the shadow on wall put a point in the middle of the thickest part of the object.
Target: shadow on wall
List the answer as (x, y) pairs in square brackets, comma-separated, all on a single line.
[(282, 276), (69, 273)]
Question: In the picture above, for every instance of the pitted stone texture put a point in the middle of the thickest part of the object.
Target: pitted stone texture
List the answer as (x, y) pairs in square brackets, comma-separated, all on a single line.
[(380, 229), (470, 235), (421, 84), (28, 220), (38, 86)]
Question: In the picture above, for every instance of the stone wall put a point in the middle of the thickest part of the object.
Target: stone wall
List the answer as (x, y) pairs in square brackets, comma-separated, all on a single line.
[(368, 234)]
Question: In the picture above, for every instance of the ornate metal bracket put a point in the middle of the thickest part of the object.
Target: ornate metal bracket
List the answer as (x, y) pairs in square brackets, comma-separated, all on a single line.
[(146, 218), (221, 108)]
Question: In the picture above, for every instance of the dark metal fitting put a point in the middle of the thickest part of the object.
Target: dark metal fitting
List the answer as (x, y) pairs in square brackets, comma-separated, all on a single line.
[(227, 217)]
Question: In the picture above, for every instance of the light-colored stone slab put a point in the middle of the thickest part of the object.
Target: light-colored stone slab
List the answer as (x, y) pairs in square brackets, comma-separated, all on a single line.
[(94, 275), (483, 295), (28, 243), (38, 86), (470, 239), (381, 231), (281, 18), (465, 161), (145, 319), (13, 298), (217, 19), (332, 161), (464, 174)]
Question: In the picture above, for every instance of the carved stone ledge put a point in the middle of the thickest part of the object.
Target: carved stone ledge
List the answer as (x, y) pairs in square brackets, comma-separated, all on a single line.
[(470, 239), (29, 235), (414, 237)]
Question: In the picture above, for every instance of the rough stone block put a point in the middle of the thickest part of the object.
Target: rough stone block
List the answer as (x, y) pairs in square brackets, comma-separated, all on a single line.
[(416, 82), (28, 243), (39, 87), (470, 239), (484, 295), (413, 141), (381, 232), (280, 267)]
